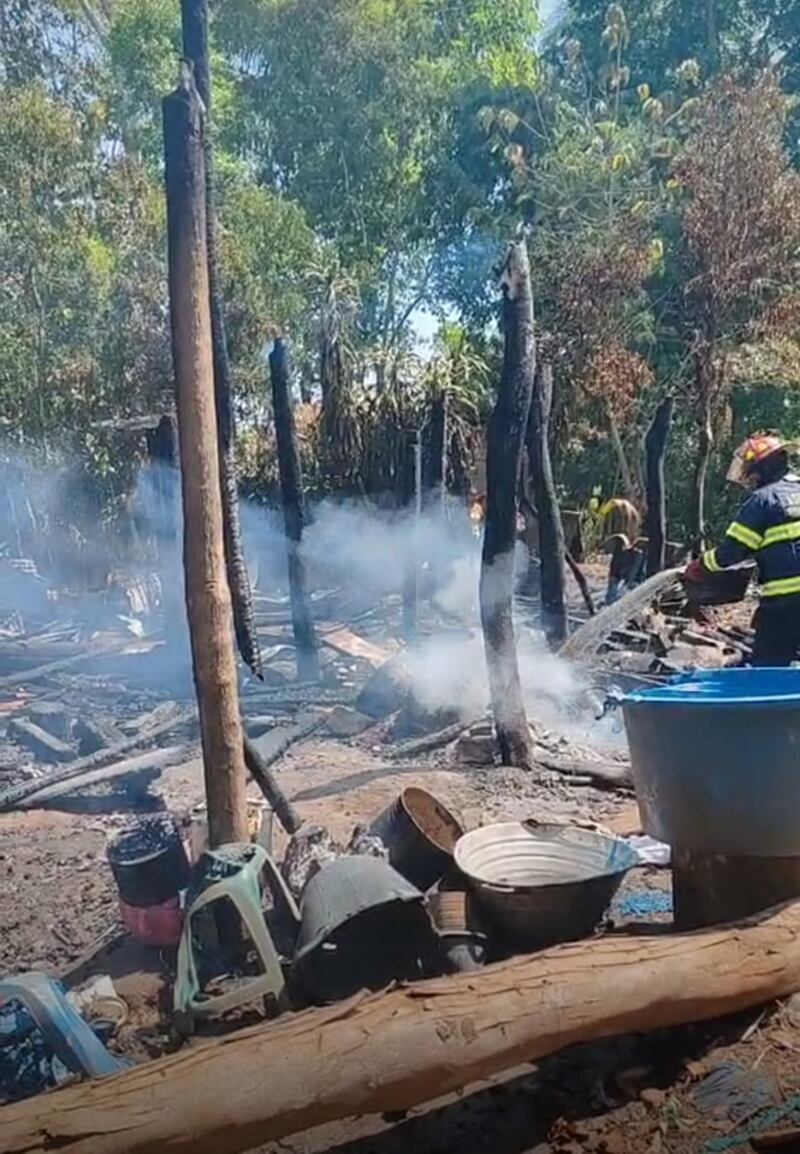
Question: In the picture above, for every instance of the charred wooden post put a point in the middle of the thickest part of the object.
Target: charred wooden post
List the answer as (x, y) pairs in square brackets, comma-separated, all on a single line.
[(552, 550), (581, 582), (194, 15), (294, 516), (435, 471), (504, 443), (162, 486), (655, 447), (208, 603), (411, 497)]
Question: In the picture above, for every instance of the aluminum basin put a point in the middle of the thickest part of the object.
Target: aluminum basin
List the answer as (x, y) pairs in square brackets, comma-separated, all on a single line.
[(542, 884)]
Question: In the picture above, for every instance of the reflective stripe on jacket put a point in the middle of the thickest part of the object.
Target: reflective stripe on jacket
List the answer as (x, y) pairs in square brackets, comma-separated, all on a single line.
[(766, 527)]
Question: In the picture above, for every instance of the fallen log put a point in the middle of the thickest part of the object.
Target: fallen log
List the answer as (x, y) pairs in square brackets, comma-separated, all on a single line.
[(11, 798), (604, 774), (429, 742), (43, 745), (157, 759), (259, 755), (393, 1051), (29, 676), (586, 640)]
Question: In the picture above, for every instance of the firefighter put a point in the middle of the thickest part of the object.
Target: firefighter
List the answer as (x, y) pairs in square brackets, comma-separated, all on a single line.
[(767, 527)]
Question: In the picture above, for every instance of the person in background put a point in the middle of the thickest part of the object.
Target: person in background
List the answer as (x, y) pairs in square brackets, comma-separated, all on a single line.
[(766, 527), (621, 524)]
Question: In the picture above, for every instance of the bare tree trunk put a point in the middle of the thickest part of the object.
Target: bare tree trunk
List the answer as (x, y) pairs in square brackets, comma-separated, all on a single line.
[(305, 637), (411, 495), (655, 444), (208, 603), (504, 444), (195, 48), (626, 476), (435, 474), (705, 443), (552, 550)]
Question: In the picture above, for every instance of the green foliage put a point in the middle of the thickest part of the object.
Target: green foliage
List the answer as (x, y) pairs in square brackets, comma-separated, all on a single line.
[(372, 158), (81, 304)]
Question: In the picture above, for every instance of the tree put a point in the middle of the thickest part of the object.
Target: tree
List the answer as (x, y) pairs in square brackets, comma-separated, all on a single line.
[(82, 315), (349, 106), (740, 236), (504, 443)]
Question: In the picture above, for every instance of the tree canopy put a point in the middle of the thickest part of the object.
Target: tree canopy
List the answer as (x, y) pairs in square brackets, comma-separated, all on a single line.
[(372, 158)]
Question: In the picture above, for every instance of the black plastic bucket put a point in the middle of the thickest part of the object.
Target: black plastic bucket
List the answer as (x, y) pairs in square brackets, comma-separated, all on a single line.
[(149, 862), (420, 834)]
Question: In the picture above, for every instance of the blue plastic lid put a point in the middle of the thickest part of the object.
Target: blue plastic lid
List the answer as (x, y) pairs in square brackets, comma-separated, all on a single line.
[(734, 687)]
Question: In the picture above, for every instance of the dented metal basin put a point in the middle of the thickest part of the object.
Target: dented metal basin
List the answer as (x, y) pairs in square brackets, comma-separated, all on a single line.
[(542, 884)]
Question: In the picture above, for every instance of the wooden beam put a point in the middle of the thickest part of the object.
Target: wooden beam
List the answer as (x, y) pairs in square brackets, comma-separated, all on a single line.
[(393, 1051), (194, 21), (208, 598)]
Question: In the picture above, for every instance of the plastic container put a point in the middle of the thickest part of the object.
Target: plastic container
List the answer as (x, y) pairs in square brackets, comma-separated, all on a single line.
[(149, 862), (716, 761), (420, 834)]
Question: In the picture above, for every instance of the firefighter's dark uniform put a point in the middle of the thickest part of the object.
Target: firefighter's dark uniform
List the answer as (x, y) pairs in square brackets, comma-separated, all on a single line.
[(767, 527)]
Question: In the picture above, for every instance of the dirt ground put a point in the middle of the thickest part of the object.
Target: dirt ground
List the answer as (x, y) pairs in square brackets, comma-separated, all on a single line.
[(627, 1095)]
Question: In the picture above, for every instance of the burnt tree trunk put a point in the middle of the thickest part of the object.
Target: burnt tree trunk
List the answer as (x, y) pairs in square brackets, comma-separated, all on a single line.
[(626, 475), (208, 603), (434, 480), (505, 439), (305, 636), (552, 550), (705, 443), (411, 497), (655, 446), (195, 48)]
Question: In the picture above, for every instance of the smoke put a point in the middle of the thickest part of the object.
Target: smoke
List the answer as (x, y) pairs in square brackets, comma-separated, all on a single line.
[(373, 550), (449, 672), (347, 545)]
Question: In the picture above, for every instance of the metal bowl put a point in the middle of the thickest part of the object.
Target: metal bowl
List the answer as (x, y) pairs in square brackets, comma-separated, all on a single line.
[(542, 884)]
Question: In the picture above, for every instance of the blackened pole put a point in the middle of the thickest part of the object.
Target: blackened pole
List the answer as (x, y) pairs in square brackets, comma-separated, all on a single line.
[(505, 438), (194, 14), (208, 602), (655, 446), (305, 636), (552, 550)]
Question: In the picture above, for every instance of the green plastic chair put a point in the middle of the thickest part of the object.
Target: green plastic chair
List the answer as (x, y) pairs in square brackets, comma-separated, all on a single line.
[(232, 873)]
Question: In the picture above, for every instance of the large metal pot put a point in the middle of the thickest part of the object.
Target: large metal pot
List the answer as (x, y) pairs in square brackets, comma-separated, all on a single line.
[(542, 884)]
